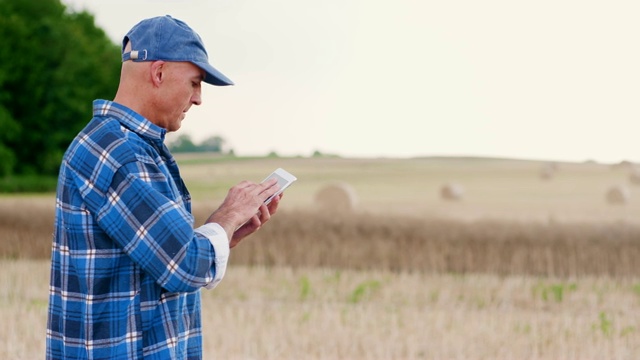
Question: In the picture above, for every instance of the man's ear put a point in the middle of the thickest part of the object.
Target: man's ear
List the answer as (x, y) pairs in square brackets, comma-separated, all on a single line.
[(157, 69)]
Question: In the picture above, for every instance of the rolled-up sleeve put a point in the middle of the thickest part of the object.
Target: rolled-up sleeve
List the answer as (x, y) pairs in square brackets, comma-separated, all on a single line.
[(218, 237)]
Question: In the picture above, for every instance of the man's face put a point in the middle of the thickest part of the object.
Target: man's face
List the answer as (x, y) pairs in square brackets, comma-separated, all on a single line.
[(181, 87)]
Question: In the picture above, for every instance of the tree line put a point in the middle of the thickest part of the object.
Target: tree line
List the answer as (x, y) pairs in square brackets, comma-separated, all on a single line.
[(53, 63), (184, 144)]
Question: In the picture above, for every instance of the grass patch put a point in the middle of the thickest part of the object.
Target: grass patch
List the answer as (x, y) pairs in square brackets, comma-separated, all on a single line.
[(604, 324), (363, 291), (305, 288), (554, 292), (28, 184)]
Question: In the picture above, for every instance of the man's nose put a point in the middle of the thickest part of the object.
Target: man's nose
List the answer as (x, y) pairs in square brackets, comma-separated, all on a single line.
[(196, 99)]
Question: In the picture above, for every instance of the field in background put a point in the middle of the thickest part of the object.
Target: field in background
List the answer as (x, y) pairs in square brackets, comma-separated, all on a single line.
[(519, 268), (493, 188)]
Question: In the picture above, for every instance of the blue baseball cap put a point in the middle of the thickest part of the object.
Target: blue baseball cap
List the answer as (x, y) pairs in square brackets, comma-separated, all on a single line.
[(168, 39)]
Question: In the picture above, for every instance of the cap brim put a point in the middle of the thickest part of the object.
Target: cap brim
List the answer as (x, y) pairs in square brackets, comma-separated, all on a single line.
[(213, 77)]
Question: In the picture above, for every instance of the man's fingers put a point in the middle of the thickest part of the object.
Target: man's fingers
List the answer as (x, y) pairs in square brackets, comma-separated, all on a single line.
[(273, 205), (265, 214), (248, 196), (268, 184), (268, 188), (244, 184)]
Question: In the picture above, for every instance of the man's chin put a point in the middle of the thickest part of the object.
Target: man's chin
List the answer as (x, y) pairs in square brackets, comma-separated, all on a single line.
[(175, 126)]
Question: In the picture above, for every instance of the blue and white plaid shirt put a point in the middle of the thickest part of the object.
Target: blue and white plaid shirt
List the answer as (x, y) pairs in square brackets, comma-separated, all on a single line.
[(127, 265)]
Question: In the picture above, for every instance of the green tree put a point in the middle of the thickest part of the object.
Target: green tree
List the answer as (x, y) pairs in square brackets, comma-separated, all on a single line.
[(53, 63), (212, 144), (182, 143)]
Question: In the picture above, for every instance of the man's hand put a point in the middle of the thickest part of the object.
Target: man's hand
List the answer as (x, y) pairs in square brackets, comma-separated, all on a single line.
[(243, 211), (256, 221)]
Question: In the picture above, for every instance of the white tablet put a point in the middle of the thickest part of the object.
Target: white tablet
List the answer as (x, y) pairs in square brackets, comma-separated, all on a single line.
[(285, 179)]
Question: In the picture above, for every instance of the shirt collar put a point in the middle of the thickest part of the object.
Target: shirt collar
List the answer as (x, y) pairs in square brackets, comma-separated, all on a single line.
[(129, 118)]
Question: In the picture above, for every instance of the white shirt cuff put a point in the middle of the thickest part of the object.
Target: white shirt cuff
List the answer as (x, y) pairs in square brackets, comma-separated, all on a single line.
[(218, 237)]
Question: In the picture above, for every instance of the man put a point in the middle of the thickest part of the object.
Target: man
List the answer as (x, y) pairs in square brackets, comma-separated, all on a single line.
[(127, 263)]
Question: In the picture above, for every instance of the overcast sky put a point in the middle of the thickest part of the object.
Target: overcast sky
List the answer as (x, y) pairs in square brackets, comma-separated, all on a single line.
[(553, 80)]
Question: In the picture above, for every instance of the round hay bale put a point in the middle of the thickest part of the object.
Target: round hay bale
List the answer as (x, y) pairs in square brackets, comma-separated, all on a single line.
[(618, 195), (451, 192), (336, 197), (634, 176)]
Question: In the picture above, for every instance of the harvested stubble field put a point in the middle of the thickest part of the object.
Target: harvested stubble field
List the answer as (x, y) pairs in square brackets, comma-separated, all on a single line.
[(519, 268)]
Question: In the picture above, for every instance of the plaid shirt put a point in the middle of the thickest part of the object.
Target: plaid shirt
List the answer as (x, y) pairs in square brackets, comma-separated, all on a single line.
[(127, 264)]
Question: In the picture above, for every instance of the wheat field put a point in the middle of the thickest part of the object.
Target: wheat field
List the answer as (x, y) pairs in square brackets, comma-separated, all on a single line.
[(315, 313), (520, 268)]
